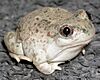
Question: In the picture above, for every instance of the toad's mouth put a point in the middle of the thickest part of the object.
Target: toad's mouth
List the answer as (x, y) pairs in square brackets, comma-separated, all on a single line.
[(76, 42)]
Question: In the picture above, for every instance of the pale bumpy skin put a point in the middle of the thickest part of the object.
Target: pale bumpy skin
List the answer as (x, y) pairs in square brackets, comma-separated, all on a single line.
[(40, 37)]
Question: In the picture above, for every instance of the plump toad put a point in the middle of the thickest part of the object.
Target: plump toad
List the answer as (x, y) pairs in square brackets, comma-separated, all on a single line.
[(50, 36)]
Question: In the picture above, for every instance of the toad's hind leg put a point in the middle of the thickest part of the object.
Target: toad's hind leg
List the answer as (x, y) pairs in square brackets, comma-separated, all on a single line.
[(15, 46)]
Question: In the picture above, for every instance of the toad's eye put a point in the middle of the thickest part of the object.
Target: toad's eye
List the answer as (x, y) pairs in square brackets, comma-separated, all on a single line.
[(66, 30)]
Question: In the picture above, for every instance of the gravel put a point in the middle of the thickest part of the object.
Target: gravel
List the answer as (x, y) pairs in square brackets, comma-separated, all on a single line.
[(83, 67)]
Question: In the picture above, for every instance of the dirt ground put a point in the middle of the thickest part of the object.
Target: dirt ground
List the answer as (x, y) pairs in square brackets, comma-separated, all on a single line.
[(83, 67)]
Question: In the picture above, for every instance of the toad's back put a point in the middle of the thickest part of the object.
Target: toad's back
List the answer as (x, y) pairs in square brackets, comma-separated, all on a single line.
[(41, 21)]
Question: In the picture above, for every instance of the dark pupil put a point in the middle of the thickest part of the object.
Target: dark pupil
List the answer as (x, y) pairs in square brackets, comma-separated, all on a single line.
[(66, 31)]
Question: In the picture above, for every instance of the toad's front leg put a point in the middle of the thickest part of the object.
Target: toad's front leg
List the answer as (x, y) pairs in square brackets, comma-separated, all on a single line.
[(42, 64)]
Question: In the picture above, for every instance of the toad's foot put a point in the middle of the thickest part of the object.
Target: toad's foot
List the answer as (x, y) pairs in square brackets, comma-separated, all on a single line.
[(48, 68)]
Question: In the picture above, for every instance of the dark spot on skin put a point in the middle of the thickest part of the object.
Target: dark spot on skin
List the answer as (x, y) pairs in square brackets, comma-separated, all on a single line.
[(41, 35), (61, 17), (46, 21), (29, 28), (76, 15), (48, 34), (38, 24), (47, 15), (37, 30), (34, 23), (33, 39), (58, 9), (37, 18), (50, 18), (17, 45), (44, 41), (12, 44), (45, 11), (32, 32), (45, 28), (84, 30), (40, 40)]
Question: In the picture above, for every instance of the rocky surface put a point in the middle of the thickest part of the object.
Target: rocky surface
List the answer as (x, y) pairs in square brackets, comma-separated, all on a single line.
[(83, 67)]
